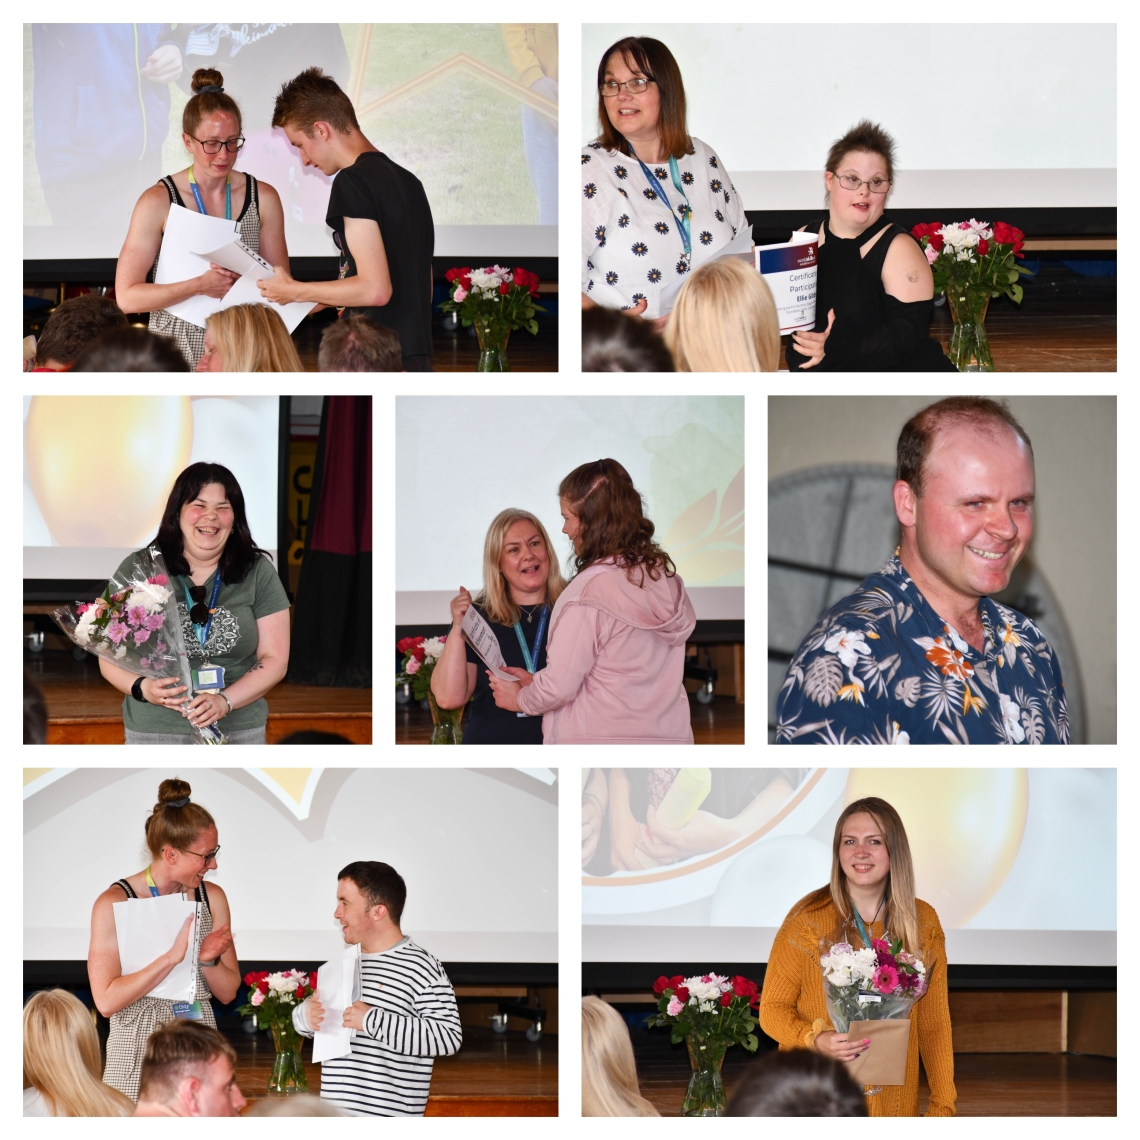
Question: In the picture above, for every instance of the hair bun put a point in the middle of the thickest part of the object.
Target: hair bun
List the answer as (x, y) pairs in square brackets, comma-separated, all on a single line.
[(171, 790), (205, 77)]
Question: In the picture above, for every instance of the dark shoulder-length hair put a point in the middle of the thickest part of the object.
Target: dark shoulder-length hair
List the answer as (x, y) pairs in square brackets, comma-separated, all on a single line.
[(240, 554), (611, 517), (655, 61)]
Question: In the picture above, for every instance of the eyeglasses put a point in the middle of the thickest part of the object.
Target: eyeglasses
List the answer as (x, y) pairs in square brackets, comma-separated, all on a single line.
[(611, 87), (212, 146), (199, 612), (875, 185), (205, 858)]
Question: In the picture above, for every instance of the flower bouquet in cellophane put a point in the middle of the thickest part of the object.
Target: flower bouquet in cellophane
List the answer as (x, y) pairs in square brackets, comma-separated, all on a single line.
[(136, 624), (869, 993)]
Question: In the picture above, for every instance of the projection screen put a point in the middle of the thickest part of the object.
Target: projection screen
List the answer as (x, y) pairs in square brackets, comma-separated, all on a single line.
[(462, 460), (455, 835), (1020, 864), (771, 98)]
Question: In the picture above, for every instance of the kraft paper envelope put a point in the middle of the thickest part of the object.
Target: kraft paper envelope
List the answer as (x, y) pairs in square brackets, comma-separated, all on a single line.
[(884, 1062), (146, 929), (338, 986)]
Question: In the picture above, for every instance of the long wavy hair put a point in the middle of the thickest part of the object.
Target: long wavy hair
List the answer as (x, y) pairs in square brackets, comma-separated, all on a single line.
[(495, 597), (611, 516), (240, 554), (901, 917), (609, 1071), (62, 1061)]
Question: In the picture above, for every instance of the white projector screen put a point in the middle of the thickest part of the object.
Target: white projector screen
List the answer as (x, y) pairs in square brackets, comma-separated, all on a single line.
[(453, 103), (978, 130), (98, 471), (462, 460), (454, 835), (1020, 864)]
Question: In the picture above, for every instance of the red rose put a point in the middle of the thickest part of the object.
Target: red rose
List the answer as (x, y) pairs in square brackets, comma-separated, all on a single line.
[(406, 643), (528, 280), (263, 985), (418, 653), (250, 978), (1006, 234), (456, 274), (983, 247), (661, 985), (936, 242), (754, 1002), (742, 987), (313, 982), (926, 229), (726, 999), (300, 993), (681, 993), (504, 289)]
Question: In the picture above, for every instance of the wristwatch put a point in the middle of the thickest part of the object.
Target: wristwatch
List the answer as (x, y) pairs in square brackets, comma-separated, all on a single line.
[(136, 691)]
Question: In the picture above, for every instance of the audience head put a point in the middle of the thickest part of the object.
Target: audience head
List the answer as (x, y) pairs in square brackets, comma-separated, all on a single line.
[(724, 321), (357, 344), (248, 338), (35, 713), (615, 342), (370, 900), (73, 325), (188, 1070), (661, 106), (609, 1072), (132, 350), (62, 1060), (797, 1083), (295, 1106)]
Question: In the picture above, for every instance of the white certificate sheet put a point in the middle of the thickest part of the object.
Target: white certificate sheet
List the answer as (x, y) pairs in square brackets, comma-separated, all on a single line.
[(338, 986), (790, 268), (740, 246), (481, 637), (187, 230), (146, 929)]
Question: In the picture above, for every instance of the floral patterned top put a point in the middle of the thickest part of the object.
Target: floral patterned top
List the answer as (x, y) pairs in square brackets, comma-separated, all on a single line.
[(631, 241), (881, 667)]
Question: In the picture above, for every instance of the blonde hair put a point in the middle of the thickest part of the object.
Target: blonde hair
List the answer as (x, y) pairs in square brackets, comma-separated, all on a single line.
[(253, 338), (609, 1071), (724, 321), (62, 1061), (495, 597)]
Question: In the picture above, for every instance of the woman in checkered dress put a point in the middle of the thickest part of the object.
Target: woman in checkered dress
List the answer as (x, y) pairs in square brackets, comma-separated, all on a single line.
[(183, 842)]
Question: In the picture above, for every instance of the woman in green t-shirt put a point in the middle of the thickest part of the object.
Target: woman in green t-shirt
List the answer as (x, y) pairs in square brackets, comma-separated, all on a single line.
[(235, 614)]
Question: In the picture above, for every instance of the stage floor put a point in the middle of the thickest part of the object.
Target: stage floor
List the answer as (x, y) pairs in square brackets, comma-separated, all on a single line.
[(721, 722), (85, 709), (989, 1084), (491, 1075)]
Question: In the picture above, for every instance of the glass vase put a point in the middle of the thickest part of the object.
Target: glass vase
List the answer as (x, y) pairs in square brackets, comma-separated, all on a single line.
[(492, 348), (969, 345), (446, 724), (705, 1094), (288, 1075)]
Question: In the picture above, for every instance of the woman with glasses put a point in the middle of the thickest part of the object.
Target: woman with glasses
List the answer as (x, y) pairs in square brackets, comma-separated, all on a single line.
[(875, 290), (183, 842), (656, 201), (211, 133), (235, 619)]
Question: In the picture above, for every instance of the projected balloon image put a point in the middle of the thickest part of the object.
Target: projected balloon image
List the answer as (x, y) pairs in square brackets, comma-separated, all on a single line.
[(101, 467), (965, 828)]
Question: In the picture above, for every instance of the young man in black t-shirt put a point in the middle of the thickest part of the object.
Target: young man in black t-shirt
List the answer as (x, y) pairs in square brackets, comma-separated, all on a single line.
[(379, 215)]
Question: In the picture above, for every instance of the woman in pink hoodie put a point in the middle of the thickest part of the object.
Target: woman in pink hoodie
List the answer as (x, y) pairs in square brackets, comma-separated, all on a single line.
[(616, 646)]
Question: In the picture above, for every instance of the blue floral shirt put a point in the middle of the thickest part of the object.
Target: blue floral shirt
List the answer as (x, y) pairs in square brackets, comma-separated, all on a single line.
[(881, 667)]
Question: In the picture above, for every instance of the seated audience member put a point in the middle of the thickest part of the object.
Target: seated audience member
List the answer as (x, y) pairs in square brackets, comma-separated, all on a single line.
[(248, 338), (357, 344), (188, 1070), (724, 321), (797, 1083), (295, 1106), (73, 325), (132, 350), (62, 1062), (609, 1072), (35, 713), (613, 342)]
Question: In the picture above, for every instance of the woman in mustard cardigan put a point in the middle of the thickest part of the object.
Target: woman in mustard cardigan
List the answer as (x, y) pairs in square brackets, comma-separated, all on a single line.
[(871, 872)]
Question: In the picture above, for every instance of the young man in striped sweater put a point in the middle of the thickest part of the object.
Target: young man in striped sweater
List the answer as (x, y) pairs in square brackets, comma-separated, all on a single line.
[(408, 1014)]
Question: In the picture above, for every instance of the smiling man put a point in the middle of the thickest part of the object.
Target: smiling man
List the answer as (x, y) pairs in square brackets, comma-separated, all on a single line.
[(408, 1014), (920, 653)]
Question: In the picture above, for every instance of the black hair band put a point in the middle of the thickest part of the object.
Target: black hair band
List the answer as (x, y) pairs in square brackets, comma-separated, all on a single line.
[(178, 803)]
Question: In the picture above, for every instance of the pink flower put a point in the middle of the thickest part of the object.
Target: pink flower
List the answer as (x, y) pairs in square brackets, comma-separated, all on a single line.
[(674, 1007), (412, 667), (154, 622), (931, 254), (137, 616), (82, 608), (886, 980), (141, 635), (460, 293), (159, 647), (116, 631), (158, 579), (258, 998)]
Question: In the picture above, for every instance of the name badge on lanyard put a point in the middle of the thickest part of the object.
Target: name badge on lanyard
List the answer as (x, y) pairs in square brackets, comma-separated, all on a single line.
[(530, 657)]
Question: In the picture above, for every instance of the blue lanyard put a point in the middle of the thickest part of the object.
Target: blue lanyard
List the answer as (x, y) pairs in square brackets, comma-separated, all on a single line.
[(684, 212), (863, 929), (198, 195), (532, 662), (203, 631)]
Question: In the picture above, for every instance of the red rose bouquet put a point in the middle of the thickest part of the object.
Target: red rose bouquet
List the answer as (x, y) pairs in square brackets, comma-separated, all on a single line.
[(271, 1000), (496, 301)]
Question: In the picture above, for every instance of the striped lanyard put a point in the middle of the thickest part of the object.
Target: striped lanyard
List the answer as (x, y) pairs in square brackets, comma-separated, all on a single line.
[(198, 194)]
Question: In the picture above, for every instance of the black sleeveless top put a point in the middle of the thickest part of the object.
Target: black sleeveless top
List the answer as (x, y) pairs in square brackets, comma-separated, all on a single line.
[(873, 331)]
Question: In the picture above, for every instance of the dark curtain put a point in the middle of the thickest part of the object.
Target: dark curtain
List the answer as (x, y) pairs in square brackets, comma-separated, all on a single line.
[(332, 618)]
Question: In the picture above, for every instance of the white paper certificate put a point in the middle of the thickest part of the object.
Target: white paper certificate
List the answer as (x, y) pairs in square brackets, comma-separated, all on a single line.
[(146, 929), (740, 246), (338, 986), (481, 637), (790, 269)]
